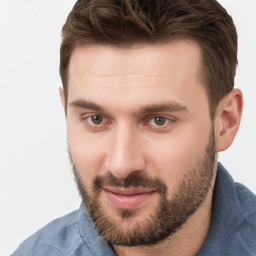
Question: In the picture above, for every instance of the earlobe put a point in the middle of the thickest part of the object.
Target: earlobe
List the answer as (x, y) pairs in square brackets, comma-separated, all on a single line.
[(228, 118)]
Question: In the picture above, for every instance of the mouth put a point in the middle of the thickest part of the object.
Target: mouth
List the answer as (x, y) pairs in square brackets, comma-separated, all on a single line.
[(127, 198)]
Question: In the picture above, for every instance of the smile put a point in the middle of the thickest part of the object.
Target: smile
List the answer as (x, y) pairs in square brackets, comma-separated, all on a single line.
[(129, 198)]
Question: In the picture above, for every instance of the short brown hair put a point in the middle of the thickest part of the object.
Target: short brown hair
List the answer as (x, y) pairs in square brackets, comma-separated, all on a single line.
[(126, 22)]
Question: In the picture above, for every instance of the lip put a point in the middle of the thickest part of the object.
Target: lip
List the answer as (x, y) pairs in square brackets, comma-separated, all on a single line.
[(127, 198)]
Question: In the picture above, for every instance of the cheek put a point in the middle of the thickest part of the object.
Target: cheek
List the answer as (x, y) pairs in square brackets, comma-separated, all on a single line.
[(87, 154), (170, 165), (173, 159)]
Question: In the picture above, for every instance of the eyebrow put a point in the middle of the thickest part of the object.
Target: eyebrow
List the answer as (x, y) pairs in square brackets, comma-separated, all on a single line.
[(144, 110), (163, 107), (85, 104)]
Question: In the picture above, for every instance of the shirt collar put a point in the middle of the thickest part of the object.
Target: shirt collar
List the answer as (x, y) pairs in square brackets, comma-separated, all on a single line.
[(226, 213), (96, 244)]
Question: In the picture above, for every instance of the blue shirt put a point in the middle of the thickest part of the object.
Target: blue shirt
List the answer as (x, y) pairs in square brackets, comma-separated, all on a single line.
[(232, 231)]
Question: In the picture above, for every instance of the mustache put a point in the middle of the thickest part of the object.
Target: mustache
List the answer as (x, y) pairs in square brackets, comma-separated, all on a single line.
[(135, 179)]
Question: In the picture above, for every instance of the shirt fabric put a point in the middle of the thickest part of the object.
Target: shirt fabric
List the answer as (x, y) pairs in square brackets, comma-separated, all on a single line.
[(232, 231)]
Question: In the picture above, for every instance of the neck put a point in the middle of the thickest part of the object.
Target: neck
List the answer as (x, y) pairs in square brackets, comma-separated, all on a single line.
[(187, 241)]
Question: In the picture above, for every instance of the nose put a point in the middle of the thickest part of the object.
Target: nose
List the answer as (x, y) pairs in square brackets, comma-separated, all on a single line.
[(126, 152)]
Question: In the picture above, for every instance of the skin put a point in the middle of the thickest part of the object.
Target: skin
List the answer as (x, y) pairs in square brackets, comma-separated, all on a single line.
[(127, 84)]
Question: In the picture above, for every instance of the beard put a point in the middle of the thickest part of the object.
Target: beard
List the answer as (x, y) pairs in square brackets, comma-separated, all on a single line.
[(168, 216)]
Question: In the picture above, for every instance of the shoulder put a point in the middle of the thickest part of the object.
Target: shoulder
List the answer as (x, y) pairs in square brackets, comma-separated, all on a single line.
[(247, 203), (233, 220), (245, 232), (56, 238)]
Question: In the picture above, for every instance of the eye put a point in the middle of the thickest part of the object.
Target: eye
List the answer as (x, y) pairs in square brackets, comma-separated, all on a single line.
[(159, 121), (95, 119), (95, 122)]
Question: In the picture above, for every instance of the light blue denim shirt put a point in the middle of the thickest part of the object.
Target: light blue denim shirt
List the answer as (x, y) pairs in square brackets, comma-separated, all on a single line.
[(232, 231)]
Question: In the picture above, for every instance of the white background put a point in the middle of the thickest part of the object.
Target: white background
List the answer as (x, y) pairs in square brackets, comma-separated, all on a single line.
[(36, 184)]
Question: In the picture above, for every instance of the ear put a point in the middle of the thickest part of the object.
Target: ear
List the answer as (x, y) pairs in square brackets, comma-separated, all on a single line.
[(62, 97), (227, 119)]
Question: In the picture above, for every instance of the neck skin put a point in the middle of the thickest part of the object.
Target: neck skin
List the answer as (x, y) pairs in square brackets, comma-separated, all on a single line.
[(187, 241)]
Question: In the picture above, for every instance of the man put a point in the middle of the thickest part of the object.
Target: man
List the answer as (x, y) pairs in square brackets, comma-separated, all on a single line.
[(149, 102)]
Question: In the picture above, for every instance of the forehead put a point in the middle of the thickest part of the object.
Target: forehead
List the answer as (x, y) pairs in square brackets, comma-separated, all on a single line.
[(145, 74), (155, 60)]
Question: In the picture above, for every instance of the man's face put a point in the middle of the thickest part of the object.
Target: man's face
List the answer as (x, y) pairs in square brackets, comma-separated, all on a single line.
[(140, 138)]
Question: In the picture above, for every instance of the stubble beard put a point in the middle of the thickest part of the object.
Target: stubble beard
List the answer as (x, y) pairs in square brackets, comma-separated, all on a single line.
[(169, 215)]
